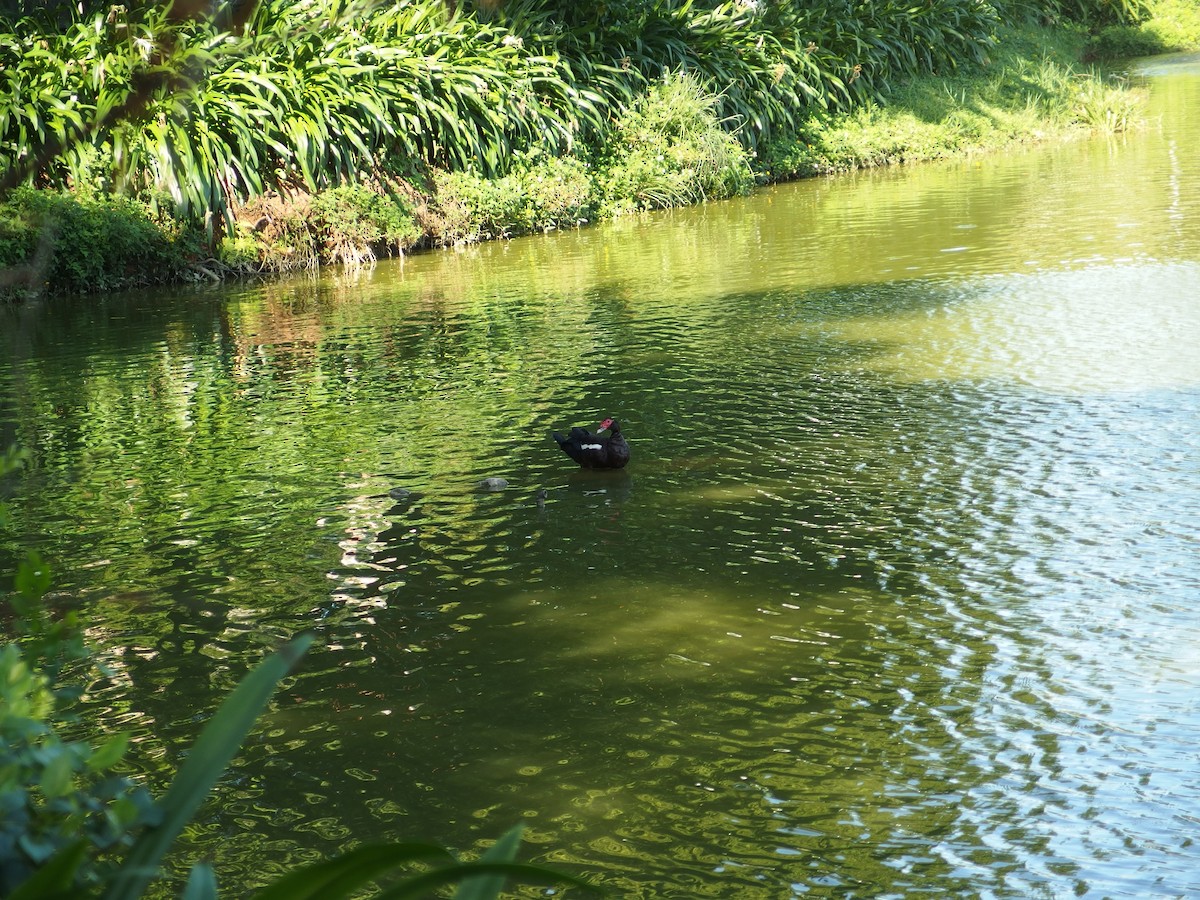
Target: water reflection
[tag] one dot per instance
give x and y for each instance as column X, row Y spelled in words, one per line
column 898, row 596
column 1080, row 332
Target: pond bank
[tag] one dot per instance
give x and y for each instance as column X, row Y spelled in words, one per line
column 671, row 151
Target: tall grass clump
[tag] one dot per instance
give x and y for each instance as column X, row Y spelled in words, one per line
column 1102, row 108
column 538, row 193
column 670, row 149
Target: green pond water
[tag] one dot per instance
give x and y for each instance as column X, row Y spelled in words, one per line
column 900, row 594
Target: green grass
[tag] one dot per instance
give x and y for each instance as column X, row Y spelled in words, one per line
column 1030, row 91
column 1174, row 26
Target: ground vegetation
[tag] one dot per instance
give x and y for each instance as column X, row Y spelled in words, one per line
column 247, row 137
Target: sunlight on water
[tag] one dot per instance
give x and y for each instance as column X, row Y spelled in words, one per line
column 1093, row 330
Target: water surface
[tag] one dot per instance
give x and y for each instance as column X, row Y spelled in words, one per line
column 897, row 596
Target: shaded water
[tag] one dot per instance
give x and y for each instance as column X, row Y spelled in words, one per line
column 898, row 594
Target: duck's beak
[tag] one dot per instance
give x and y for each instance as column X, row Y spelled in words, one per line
column 603, row 425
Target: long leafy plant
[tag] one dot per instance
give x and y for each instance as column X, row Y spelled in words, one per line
column 204, row 113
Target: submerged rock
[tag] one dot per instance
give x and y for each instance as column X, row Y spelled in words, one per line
column 493, row 484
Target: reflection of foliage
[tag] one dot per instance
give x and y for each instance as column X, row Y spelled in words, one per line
column 51, row 643
column 62, row 805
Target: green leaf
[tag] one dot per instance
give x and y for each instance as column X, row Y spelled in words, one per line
column 56, row 878
column 421, row 885
column 58, row 777
column 109, row 753
column 201, row 883
column 504, row 850
column 33, row 576
column 212, row 752
column 346, row 873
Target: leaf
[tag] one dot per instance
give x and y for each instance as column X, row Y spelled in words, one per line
column 109, row 753
column 201, row 883
column 56, row 878
column 421, row 885
column 504, row 850
column 343, row 875
column 214, row 749
column 33, row 576
column 58, row 777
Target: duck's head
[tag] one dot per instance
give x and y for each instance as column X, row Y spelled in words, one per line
column 611, row 424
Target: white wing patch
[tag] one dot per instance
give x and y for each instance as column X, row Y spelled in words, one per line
column 591, row 446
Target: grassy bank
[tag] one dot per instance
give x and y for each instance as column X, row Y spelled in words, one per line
column 1174, row 27
column 670, row 149
column 672, row 141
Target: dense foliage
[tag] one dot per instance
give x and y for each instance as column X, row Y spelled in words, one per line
column 126, row 246
column 226, row 122
column 211, row 112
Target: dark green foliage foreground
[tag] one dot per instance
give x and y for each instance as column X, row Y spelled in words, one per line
column 635, row 105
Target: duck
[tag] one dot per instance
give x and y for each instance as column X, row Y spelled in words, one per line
column 596, row 451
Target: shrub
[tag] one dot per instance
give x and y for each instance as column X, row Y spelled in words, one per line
column 353, row 221
column 63, row 244
column 1090, row 13
column 669, row 149
column 540, row 193
column 54, row 793
column 1123, row 42
column 56, row 796
column 1175, row 26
